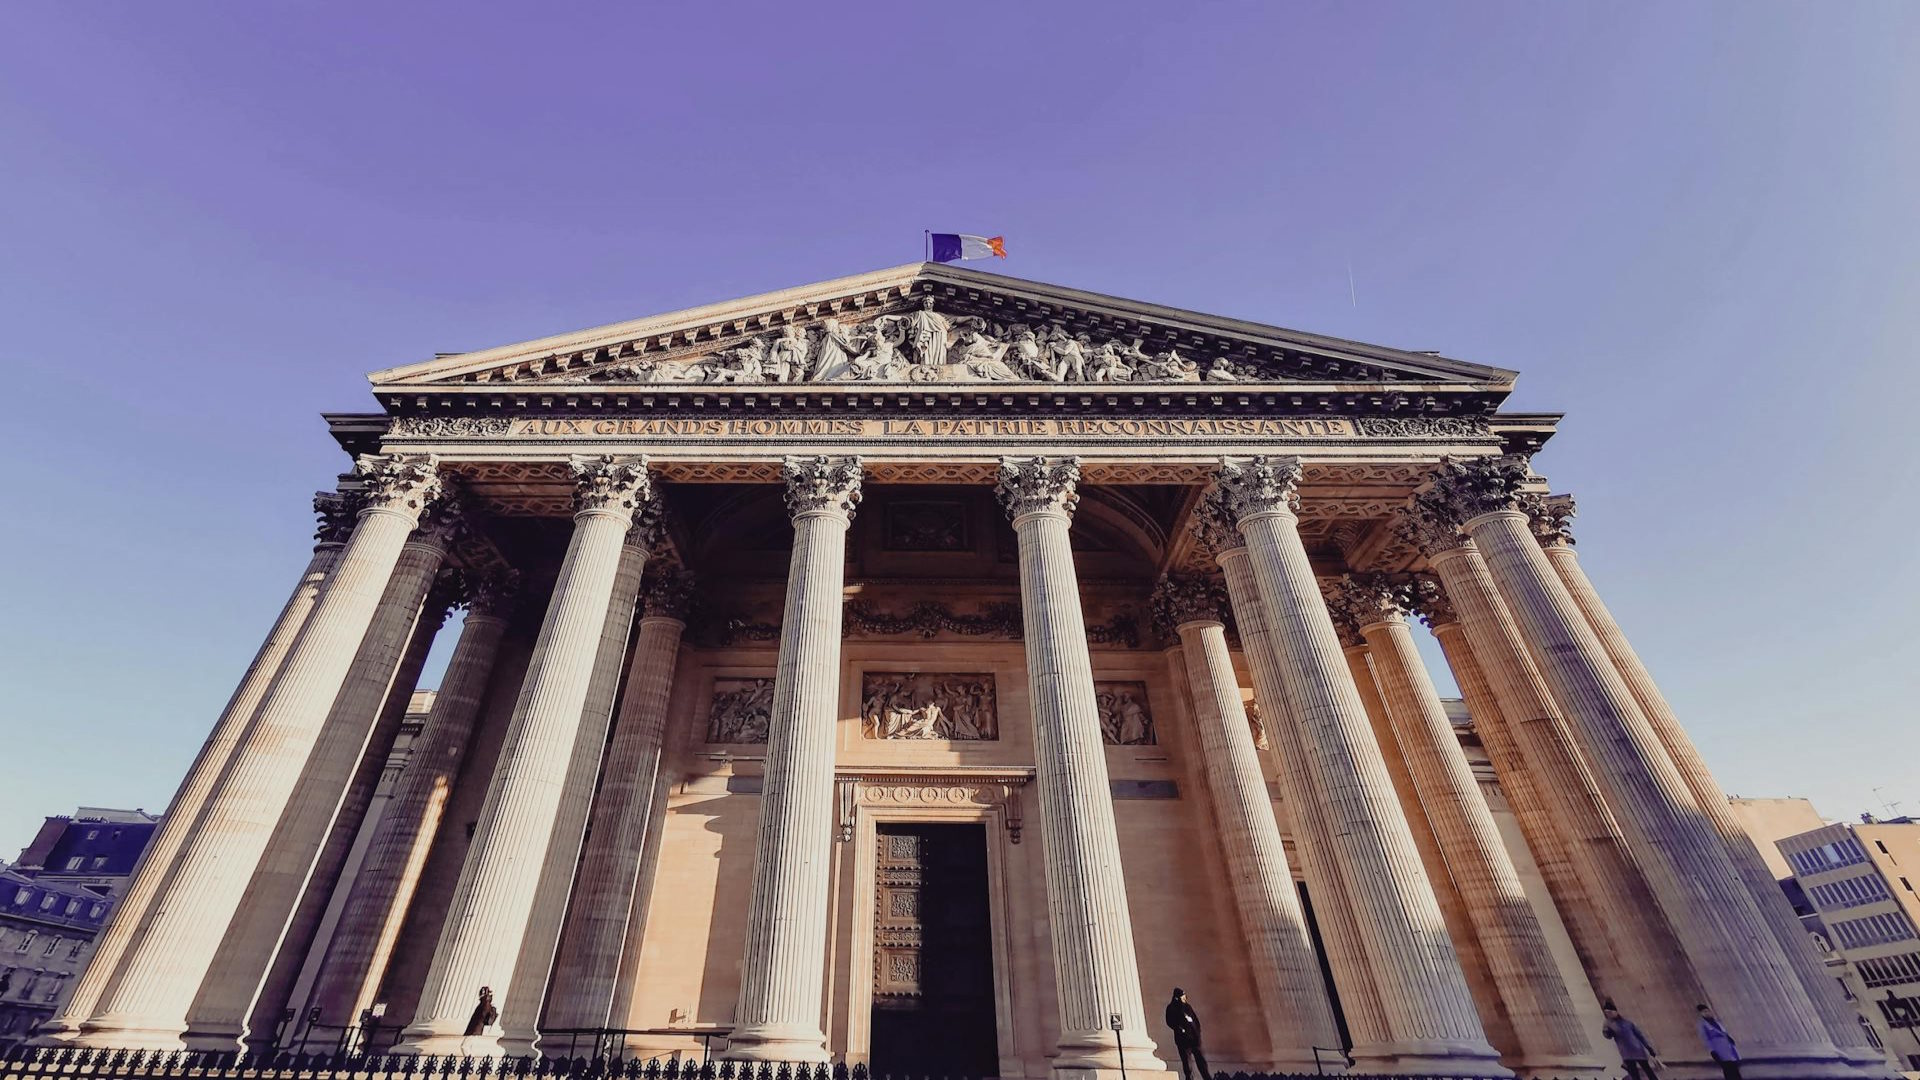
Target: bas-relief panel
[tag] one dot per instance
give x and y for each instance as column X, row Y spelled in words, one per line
column 958, row 707
column 741, row 711
column 927, row 525
column 1125, row 719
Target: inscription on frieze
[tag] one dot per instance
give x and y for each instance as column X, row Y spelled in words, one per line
column 959, row 429
column 953, row 707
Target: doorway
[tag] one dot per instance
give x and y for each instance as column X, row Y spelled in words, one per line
column 933, row 990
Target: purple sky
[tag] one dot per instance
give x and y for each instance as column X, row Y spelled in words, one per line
column 1692, row 228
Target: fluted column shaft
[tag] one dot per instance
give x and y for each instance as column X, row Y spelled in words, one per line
column 1537, row 821
column 526, row 995
column 1313, row 839
column 487, row 920
column 1839, row 1018
column 1280, row 949
column 163, row 968
column 1096, row 973
column 157, row 862
column 783, row 972
column 590, row 952
column 1429, row 1007
column 1741, row 965
column 1523, row 968
column 1652, row 969
column 315, row 832
column 376, row 908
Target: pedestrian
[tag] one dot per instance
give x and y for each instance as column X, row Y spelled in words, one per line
column 1719, row 1043
column 484, row 1014
column 1637, row 1055
column 1186, row 1035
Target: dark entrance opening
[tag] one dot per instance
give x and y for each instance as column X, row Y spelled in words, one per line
column 933, row 1009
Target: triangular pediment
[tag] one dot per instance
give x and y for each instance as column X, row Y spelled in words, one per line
column 927, row 323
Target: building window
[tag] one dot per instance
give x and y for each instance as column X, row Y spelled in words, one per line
column 27, row 941
column 76, row 862
column 93, row 834
column 98, row 910
column 1882, row 845
column 99, row 861
column 53, row 987
column 73, row 907
column 22, row 895
column 74, row 953
column 52, row 944
column 47, row 902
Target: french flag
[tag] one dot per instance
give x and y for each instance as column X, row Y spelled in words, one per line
column 952, row 247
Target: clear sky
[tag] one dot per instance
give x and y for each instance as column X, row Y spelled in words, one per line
column 1692, row 228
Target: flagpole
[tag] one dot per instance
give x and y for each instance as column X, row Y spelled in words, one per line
column 926, row 245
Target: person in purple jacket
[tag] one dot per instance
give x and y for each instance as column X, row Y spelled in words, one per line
column 1637, row 1054
column 1719, row 1043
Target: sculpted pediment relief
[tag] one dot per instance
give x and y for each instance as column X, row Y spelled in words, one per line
column 937, row 325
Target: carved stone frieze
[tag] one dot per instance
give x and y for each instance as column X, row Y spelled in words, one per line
column 927, row 525
column 950, row 707
column 1186, row 598
column 606, row 482
column 1038, row 485
column 406, row 482
column 930, row 619
column 1423, row 427
column 451, row 427
column 1259, row 484
column 741, row 711
column 1125, row 719
column 821, row 484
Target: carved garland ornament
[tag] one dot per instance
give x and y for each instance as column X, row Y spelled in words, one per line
column 451, row 427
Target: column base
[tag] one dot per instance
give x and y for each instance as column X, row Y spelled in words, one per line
column 1566, row 1068
column 117, row 1037
column 777, row 1042
column 1788, row 1066
column 1432, row 1057
column 1087, row 1053
column 54, row 1033
column 429, row 1041
column 214, row 1039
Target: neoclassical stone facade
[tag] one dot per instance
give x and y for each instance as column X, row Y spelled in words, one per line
column 932, row 669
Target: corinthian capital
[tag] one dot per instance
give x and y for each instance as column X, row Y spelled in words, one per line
column 1364, row 599
column 1214, row 525
column 336, row 510
column 1431, row 602
column 1259, row 485
column 1187, row 598
column 649, row 529
column 1465, row 488
column 398, row 482
column 667, row 592
column 493, row 593
column 605, row 482
column 822, row 484
column 445, row 522
column 1038, row 485
column 1552, row 520
column 1429, row 527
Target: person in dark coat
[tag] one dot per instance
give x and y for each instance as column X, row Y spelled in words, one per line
column 1637, row 1055
column 483, row 1013
column 1186, row 1035
column 1719, row 1044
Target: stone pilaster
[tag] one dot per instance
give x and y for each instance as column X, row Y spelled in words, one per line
column 1746, row 974
column 1649, row 967
column 1306, row 808
column 590, row 960
column 161, row 971
column 784, row 969
column 526, row 995
column 1095, row 971
column 1552, row 521
column 376, row 908
column 336, row 512
column 1549, row 1039
column 487, row 920
column 1280, row 949
column 267, row 941
column 1424, row 995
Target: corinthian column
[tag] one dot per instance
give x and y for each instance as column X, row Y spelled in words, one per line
column 520, row 1013
column 1746, row 973
column 784, row 968
column 487, row 920
column 1428, row 1007
column 1649, row 967
column 1285, row 971
column 1552, row 521
column 1214, row 526
column 1095, row 971
column 162, row 968
column 260, row 955
column 1547, row 1030
column 590, row 952
column 376, row 908
column 156, row 863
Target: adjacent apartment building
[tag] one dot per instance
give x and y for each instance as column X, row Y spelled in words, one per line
column 54, row 900
column 1858, row 879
